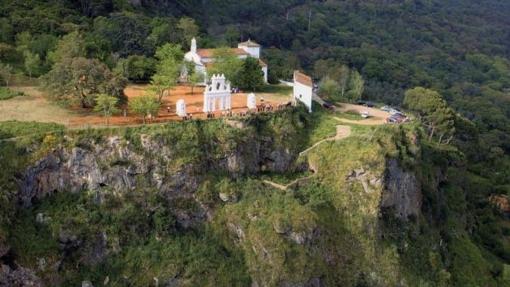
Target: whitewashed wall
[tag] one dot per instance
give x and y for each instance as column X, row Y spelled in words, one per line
column 303, row 93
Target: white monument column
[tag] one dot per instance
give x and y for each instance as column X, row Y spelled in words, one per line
column 206, row 104
column 251, row 101
column 181, row 108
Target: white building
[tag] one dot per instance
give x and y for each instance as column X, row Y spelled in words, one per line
column 217, row 95
column 180, row 108
column 251, row 101
column 303, row 89
column 203, row 58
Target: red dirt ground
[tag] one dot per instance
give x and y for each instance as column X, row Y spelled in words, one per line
column 193, row 102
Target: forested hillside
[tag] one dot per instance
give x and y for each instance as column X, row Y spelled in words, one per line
column 458, row 50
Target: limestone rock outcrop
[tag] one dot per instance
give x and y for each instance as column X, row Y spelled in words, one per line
column 402, row 191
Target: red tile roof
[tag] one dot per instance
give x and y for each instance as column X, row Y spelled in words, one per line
column 210, row 64
column 249, row 43
column 209, row 53
column 303, row 79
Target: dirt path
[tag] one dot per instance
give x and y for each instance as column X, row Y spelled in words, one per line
column 341, row 133
column 293, row 183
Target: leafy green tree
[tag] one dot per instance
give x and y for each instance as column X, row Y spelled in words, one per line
column 356, row 86
column 188, row 29
column 433, row 111
column 7, row 31
column 70, row 46
column 106, row 105
column 125, row 33
column 170, row 63
column 194, row 77
column 32, row 62
column 145, row 106
column 5, row 73
column 136, row 68
column 333, row 70
column 329, row 89
column 343, row 79
column 80, row 79
column 282, row 64
column 23, row 41
column 9, row 54
column 251, row 75
column 227, row 63
column 231, row 35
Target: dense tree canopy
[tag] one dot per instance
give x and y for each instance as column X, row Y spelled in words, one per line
column 251, row 77
column 228, row 64
column 435, row 113
column 169, row 67
column 81, row 80
column 458, row 51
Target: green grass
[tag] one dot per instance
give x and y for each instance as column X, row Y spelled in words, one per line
column 285, row 178
column 323, row 126
column 11, row 129
column 283, row 90
column 350, row 115
column 6, row 93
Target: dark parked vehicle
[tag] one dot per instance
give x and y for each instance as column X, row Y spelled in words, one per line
column 365, row 103
column 328, row 105
column 397, row 118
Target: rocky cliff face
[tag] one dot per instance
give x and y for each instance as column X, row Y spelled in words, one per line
column 116, row 165
column 402, row 191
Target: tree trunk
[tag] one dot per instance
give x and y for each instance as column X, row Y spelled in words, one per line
column 432, row 132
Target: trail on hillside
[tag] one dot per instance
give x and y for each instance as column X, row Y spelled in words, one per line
column 341, row 133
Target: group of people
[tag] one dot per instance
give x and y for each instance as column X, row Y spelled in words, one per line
column 263, row 107
column 187, row 117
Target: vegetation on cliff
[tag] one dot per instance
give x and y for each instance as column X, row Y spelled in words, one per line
column 348, row 222
column 226, row 226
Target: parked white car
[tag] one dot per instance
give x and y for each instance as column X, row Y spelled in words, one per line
column 395, row 112
column 386, row 108
column 365, row 114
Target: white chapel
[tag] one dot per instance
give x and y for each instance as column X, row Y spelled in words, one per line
column 203, row 58
column 217, row 95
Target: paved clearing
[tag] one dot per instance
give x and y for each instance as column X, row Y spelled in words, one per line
column 377, row 116
column 36, row 107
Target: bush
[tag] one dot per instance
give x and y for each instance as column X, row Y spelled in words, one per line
column 6, row 93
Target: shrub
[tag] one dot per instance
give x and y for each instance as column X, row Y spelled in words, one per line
column 6, row 93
